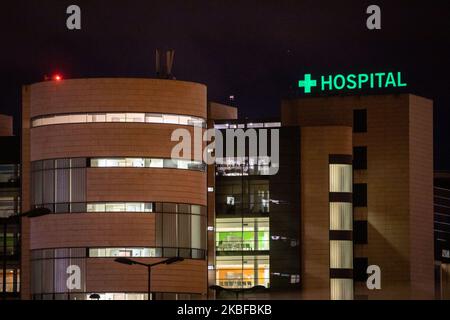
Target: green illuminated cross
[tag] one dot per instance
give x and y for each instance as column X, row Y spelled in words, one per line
column 307, row 83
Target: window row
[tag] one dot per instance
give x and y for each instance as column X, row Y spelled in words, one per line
column 242, row 271
column 247, row 125
column 147, row 163
column 249, row 196
column 117, row 296
column 143, row 207
column 242, row 166
column 237, row 234
column 118, row 117
column 187, row 253
column 143, row 252
column 117, row 162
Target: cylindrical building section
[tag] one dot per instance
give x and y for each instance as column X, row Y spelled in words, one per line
column 98, row 155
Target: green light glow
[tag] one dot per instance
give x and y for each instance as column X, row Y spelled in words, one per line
column 352, row 81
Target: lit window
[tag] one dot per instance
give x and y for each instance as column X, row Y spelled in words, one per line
column 295, row 278
column 156, row 163
column 122, row 252
column 341, row 254
column 118, row 117
column 153, row 118
column 340, row 178
column 242, row 271
column 148, row 163
column 135, row 117
column 115, row 207
column 341, row 216
column 341, row 289
column 170, row 119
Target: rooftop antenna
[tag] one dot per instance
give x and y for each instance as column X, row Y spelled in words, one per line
column 166, row 72
column 170, row 55
column 158, row 63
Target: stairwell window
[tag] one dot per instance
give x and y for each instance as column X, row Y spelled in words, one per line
column 340, row 178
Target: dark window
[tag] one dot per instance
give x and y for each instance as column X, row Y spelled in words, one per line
column 360, row 232
column 360, row 158
column 77, row 207
column 360, row 269
column 360, row 195
column 360, row 120
column 62, row 207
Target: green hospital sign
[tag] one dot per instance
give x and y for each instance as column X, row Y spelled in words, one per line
column 359, row 81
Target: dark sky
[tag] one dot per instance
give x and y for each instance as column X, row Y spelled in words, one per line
column 255, row 50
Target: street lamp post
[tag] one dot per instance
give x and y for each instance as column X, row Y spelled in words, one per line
column 127, row 261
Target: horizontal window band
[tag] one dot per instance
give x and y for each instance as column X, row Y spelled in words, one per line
column 118, row 117
column 340, row 159
column 83, row 295
column 341, row 235
column 116, row 252
column 117, row 162
column 341, row 273
column 124, row 207
column 242, row 253
column 341, row 197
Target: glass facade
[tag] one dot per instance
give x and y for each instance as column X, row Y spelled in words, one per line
column 242, row 232
column 243, row 271
column 238, row 196
column 10, row 172
column 9, row 190
column 248, row 234
column 243, row 166
column 59, row 182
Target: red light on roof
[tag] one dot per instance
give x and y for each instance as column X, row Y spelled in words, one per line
column 57, row 77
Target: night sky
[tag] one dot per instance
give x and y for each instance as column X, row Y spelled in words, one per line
column 255, row 50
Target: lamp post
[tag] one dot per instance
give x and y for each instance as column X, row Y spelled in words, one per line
column 149, row 266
